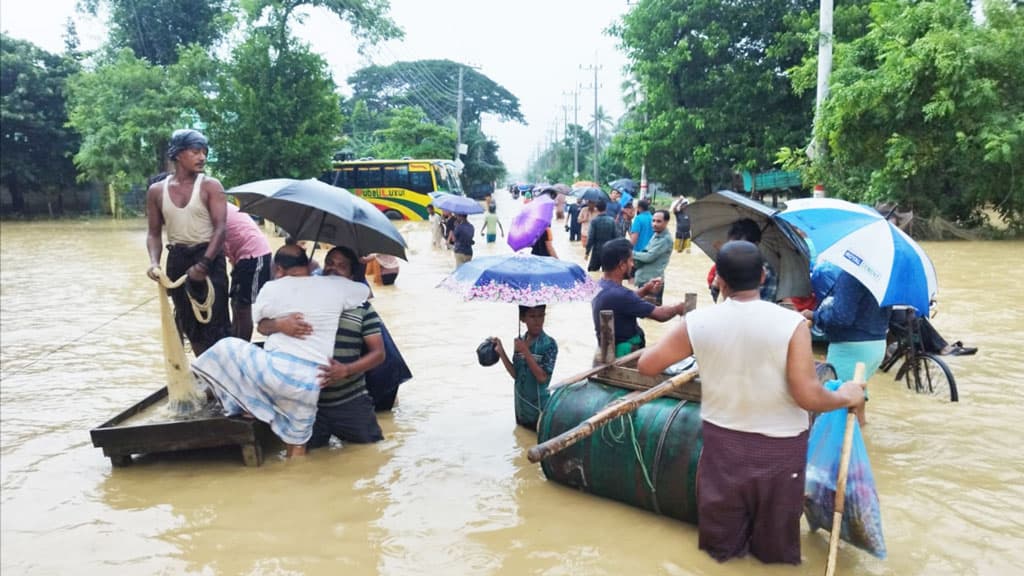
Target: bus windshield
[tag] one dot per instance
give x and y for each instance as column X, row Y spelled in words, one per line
column 399, row 188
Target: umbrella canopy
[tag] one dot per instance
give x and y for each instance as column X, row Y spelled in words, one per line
column 521, row 279
column 591, row 194
column 624, row 185
column 313, row 210
column 712, row 216
column 893, row 267
column 531, row 222
column 562, row 188
column 456, row 204
column 585, row 184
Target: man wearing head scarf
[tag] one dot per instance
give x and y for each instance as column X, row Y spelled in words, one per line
column 191, row 210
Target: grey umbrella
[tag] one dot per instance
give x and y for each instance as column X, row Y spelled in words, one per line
column 591, row 194
column 313, row 210
column 626, row 185
column 782, row 247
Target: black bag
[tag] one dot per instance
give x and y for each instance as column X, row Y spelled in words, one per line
column 487, row 353
column 382, row 382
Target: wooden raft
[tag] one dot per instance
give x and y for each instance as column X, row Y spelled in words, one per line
column 120, row 438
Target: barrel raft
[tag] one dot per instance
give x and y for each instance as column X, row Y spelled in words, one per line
column 646, row 459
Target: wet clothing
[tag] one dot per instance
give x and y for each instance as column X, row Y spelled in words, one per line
column 531, row 395
column 750, row 479
column 345, row 408
column 750, row 493
column 626, row 306
column 601, row 230
column 652, row 261
column 491, row 227
column 190, row 225
column 179, row 260
column 436, row 230
column 850, row 313
column 540, row 247
column 643, row 228
column 574, row 227
column 383, row 381
column 464, row 238
column 243, row 238
column 248, row 276
column 275, row 387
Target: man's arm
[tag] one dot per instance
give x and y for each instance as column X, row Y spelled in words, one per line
column 803, row 383
column 155, row 221
column 217, row 206
column 374, row 357
column 672, row 348
column 293, row 325
column 665, row 312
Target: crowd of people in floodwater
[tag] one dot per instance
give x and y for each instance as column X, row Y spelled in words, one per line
column 328, row 361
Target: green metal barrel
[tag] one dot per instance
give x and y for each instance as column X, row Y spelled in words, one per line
column 647, row 458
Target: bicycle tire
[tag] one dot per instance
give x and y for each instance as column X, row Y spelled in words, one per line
column 931, row 375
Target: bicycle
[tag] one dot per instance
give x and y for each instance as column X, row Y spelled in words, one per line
column 923, row 372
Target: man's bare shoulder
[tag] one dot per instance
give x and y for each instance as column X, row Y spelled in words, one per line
column 212, row 184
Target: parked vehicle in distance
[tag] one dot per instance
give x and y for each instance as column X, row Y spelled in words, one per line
column 480, row 190
column 399, row 188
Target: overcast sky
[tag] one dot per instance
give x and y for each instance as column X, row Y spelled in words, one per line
column 534, row 48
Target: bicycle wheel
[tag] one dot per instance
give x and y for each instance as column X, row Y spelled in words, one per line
column 930, row 375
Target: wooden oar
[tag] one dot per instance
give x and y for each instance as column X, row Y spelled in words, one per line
column 624, row 405
column 844, row 468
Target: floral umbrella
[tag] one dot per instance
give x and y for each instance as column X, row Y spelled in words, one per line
column 522, row 279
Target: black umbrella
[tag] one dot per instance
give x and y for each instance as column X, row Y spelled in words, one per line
column 626, row 185
column 783, row 248
column 591, row 195
column 313, row 210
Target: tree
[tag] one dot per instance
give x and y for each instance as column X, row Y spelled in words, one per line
column 154, row 29
column 125, row 110
column 433, row 86
column 368, row 19
column 276, row 113
column 927, row 109
column 35, row 146
column 410, row 133
column 482, row 164
column 717, row 97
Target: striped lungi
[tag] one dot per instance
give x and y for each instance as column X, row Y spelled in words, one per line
column 274, row 387
column 750, row 492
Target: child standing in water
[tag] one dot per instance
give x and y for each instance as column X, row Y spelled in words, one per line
column 531, row 365
column 492, row 224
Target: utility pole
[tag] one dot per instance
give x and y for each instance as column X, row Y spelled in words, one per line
column 818, row 148
column 597, row 125
column 458, row 119
column 576, row 133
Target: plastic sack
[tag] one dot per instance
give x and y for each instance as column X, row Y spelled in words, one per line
column 487, row 353
column 862, row 519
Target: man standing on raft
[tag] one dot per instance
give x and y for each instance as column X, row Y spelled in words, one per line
column 192, row 210
column 757, row 384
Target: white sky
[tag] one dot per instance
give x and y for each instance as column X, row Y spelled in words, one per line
column 534, row 48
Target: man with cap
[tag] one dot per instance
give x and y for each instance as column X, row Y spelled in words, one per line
column 192, row 211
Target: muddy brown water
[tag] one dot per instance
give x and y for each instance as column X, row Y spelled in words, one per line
column 450, row 490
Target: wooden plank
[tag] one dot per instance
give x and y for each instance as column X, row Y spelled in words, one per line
column 632, row 380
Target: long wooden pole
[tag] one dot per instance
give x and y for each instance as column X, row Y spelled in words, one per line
column 624, row 405
column 844, row 468
column 588, row 373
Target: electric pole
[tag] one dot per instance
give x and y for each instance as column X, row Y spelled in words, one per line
column 458, row 119
column 597, row 124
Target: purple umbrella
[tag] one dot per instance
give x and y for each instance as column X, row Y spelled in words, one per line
column 531, row 222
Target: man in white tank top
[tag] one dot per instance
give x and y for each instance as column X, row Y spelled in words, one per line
column 191, row 209
column 757, row 383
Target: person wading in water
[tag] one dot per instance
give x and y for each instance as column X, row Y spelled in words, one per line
column 191, row 209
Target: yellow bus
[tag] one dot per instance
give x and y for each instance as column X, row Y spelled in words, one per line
column 400, row 188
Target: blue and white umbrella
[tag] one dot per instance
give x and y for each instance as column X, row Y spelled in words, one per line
column 893, row 267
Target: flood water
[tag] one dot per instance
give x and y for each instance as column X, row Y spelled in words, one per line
column 450, row 490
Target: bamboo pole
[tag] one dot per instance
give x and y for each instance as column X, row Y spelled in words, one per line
column 844, row 468
column 624, row 405
column 634, row 355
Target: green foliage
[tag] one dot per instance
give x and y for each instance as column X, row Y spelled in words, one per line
column 481, row 160
column 154, row 29
column 433, row 85
column 927, row 110
column 276, row 112
column 125, row 111
column 368, row 20
column 716, row 95
column 410, row 133
column 35, row 146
